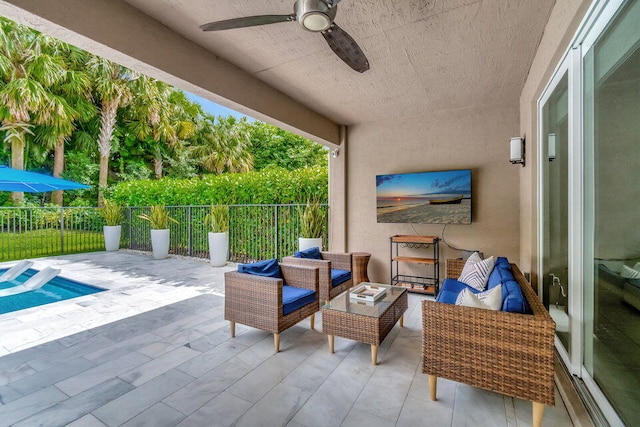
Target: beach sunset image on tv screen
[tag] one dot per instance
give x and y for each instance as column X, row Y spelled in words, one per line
column 442, row 197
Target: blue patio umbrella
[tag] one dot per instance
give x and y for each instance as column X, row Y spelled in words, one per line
column 31, row 182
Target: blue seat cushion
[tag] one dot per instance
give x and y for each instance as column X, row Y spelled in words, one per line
column 294, row 298
column 450, row 290
column 267, row 268
column 311, row 253
column 339, row 276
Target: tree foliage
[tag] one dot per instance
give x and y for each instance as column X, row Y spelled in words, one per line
column 269, row 186
column 67, row 112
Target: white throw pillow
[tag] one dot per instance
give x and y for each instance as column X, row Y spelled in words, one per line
column 637, row 266
column 474, row 258
column 478, row 274
column 629, row 273
column 491, row 299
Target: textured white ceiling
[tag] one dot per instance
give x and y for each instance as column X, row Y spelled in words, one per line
column 424, row 55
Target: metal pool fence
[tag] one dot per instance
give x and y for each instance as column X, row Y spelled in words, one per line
column 255, row 231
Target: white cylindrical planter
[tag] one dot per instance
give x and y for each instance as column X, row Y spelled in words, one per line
column 218, row 248
column 306, row 243
column 112, row 237
column 160, row 243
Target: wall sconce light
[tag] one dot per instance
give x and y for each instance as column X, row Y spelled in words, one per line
column 551, row 147
column 335, row 153
column 517, row 151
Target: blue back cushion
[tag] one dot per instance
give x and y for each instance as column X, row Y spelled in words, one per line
column 268, row 268
column 512, row 298
column 450, row 290
column 503, row 262
column 311, row 253
column 494, row 278
column 294, row 298
column 339, row 276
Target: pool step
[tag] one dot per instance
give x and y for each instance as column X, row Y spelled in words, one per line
column 16, row 270
column 38, row 280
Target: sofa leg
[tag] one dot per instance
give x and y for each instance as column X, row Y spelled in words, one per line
column 232, row 326
column 312, row 320
column 538, row 411
column 433, row 385
column 276, row 342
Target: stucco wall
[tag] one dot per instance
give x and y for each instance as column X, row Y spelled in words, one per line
column 473, row 138
column 560, row 29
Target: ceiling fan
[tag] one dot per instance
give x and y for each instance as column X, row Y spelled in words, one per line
column 313, row 15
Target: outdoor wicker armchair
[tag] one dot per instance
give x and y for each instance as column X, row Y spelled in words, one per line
column 330, row 261
column 256, row 301
column 507, row 353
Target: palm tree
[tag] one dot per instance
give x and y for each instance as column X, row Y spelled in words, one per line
column 73, row 94
column 151, row 117
column 29, row 67
column 225, row 147
column 112, row 84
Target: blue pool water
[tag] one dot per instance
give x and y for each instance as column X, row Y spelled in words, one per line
column 57, row 289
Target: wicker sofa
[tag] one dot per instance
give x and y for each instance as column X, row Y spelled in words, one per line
column 507, row 353
column 329, row 262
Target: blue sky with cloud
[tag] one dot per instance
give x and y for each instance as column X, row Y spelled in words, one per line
column 215, row 109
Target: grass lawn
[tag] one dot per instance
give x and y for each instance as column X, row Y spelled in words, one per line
column 48, row 242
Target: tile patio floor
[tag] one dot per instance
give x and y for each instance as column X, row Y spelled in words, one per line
column 162, row 356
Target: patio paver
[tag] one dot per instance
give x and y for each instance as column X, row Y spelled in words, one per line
column 182, row 368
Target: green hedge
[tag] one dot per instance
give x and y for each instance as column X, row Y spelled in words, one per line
column 268, row 186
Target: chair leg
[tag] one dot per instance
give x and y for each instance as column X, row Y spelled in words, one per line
column 538, row 411
column 312, row 320
column 276, row 342
column 433, row 386
column 232, row 326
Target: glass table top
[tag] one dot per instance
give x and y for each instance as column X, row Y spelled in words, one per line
column 343, row 303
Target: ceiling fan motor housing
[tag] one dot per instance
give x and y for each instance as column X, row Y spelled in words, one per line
column 314, row 15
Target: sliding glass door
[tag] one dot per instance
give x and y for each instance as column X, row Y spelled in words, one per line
column 554, row 154
column 611, row 133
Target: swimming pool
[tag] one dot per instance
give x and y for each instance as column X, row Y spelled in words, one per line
column 58, row 289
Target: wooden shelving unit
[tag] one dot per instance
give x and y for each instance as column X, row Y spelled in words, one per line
column 426, row 284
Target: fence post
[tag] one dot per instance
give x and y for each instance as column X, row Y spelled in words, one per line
column 276, row 231
column 61, row 229
column 130, row 226
column 189, row 230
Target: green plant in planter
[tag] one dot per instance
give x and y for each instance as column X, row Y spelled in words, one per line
column 217, row 220
column 312, row 220
column 158, row 218
column 111, row 212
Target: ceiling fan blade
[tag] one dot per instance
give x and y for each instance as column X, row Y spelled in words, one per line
column 247, row 21
column 346, row 48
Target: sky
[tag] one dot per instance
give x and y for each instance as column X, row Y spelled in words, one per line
column 215, row 109
column 423, row 184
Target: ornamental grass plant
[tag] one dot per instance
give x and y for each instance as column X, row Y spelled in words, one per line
column 111, row 212
column 312, row 220
column 158, row 218
column 217, row 220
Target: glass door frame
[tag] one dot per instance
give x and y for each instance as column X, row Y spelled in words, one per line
column 572, row 362
column 581, row 250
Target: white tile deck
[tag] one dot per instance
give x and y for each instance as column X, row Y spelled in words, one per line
column 135, row 283
column 155, row 350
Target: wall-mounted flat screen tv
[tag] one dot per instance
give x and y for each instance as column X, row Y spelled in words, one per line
column 439, row 197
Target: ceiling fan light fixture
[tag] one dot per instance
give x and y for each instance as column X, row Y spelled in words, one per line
column 315, row 21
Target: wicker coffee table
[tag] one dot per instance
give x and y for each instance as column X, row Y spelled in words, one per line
column 364, row 322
